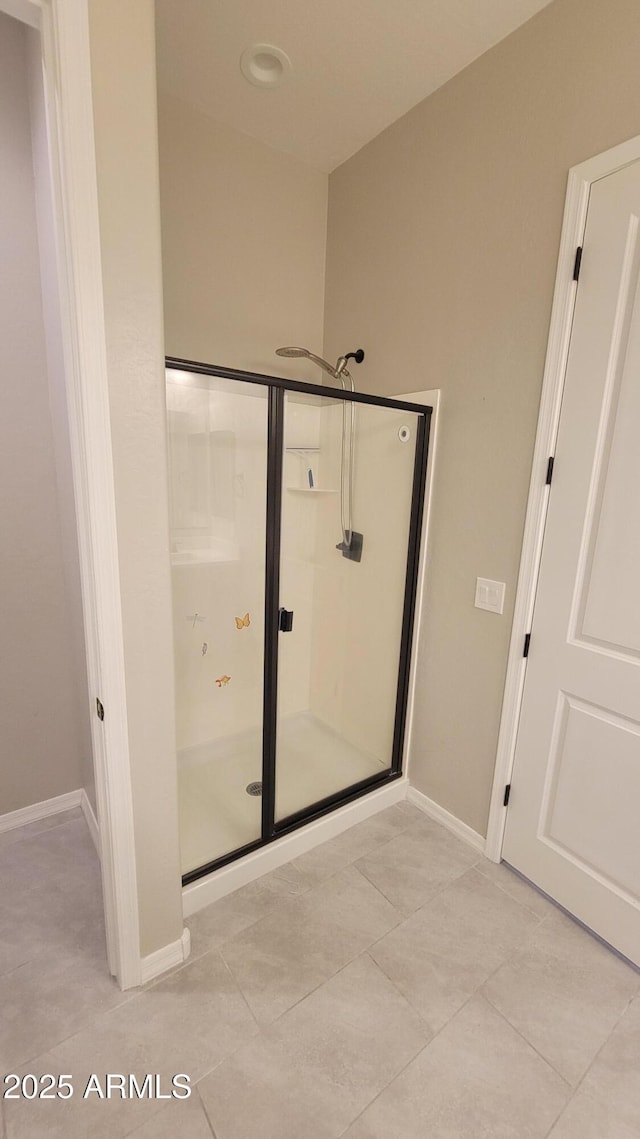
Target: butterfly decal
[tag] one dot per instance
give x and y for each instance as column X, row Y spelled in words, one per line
column 222, row 680
column 243, row 622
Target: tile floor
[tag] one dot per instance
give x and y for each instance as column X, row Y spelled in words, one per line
column 391, row 984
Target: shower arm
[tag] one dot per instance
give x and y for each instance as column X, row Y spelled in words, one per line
column 333, row 372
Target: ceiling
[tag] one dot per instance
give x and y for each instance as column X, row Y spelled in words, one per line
column 358, row 65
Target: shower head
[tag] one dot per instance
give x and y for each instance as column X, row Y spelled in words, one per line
column 289, row 352
column 338, row 373
column 304, row 352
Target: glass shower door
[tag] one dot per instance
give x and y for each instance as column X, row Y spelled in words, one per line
column 345, row 553
column 217, row 434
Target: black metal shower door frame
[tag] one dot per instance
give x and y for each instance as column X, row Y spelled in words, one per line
column 277, row 389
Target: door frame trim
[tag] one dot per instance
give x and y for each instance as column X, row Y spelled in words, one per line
column 580, row 180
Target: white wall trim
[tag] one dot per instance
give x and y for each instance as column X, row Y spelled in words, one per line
column 25, row 815
column 451, row 822
column 221, row 882
column 166, row 958
column 67, row 75
column 56, row 806
column 91, row 821
column 579, row 185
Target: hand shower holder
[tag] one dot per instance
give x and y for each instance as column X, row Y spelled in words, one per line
column 353, row 549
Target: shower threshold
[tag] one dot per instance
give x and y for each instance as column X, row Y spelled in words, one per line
column 217, row 816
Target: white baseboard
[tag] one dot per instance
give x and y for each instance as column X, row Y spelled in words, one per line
column 43, row 810
column 438, row 813
column 174, row 954
column 91, row 820
column 206, row 890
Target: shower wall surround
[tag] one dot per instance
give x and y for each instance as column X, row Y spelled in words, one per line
column 332, row 719
column 355, row 664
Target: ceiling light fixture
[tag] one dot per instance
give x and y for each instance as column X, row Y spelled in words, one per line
column 264, row 65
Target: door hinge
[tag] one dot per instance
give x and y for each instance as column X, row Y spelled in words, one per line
column 549, row 470
column 577, row 263
column 527, row 642
column 99, row 709
column 507, row 792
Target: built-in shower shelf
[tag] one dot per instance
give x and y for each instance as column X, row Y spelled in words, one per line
column 311, row 490
column 303, row 450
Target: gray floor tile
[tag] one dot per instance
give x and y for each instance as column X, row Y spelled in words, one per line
column 565, row 992
column 441, row 954
column 187, row 1022
column 305, row 941
column 9, row 838
column 365, row 837
column 52, row 896
column 50, row 998
column 516, row 887
column 76, row 1118
column 607, row 1103
column 19, row 834
column 300, row 945
column 412, row 868
column 185, row 1118
column 62, row 857
column 410, row 811
column 311, row 1073
column 229, row 916
column 476, row 1080
column 23, row 930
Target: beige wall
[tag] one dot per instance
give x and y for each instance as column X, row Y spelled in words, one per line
column 58, row 402
column 442, row 248
column 123, row 76
column 45, row 750
column 243, row 245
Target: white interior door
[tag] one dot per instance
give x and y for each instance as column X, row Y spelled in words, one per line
column 573, row 824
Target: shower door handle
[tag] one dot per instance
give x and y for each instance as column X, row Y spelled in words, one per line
column 285, row 620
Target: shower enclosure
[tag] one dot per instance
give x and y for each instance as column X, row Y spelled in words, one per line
column 292, row 657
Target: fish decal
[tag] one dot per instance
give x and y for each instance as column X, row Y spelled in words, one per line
column 221, row 681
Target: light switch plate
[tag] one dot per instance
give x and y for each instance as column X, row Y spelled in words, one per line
column 490, row 595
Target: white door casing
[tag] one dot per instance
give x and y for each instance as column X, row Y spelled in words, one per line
column 572, row 818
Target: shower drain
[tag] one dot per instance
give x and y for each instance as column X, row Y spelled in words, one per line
column 254, row 789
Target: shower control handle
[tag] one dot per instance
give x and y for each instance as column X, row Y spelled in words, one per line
column 285, row 620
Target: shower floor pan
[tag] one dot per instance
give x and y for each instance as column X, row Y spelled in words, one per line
column 218, row 815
